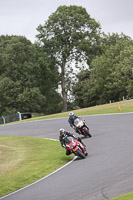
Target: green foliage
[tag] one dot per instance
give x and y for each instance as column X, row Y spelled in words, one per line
column 111, row 74
column 7, row 90
column 31, row 100
column 26, row 77
column 17, row 58
column 124, row 69
column 47, row 81
column 80, row 89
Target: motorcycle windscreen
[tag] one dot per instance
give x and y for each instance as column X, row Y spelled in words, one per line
column 76, row 121
column 70, row 142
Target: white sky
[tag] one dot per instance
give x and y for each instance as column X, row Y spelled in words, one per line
column 22, row 17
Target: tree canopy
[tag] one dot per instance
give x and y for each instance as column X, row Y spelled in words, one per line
column 111, row 75
column 22, row 74
column 69, row 35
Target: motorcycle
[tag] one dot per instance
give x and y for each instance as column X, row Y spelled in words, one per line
column 75, row 146
column 81, row 128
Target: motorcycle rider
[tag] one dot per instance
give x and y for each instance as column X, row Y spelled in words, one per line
column 63, row 133
column 71, row 120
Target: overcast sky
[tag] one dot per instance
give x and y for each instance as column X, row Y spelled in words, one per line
column 22, row 17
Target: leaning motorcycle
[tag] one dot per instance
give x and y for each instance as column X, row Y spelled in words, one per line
column 81, row 128
column 74, row 146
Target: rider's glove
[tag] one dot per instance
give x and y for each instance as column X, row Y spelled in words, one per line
column 79, row 139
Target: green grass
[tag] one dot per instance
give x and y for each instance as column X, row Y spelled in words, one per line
column 126, row 106
column 24, row 160
column 125, row 197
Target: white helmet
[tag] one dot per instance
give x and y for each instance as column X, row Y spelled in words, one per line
column 71, row 114
column 62, row 130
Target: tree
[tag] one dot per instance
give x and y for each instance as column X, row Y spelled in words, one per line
column 124, row 70
column 47, row 81
column 28, row 78
column 110, row 75
column 18, row 85
column 69, row 35
column 80, row 89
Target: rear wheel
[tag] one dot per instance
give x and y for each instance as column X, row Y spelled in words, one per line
column 86, row 132
column 80, row 153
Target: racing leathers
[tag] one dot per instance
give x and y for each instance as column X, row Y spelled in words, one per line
column 62, row 141
column 71, row 120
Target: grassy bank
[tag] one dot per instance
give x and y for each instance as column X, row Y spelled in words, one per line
column 119, row 107
column 24, row 160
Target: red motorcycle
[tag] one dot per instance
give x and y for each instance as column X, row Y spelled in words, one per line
column 75, row 146
column 81, row 127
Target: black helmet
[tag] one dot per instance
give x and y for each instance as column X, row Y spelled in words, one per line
column 62, row 131
column 71, row 114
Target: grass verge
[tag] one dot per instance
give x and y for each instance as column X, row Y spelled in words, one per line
column 24, row 160
column 125, row 197
column 124, row 106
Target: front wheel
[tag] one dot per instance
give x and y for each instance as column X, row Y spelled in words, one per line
column 79, row 153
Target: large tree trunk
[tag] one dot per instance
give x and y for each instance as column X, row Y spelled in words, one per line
column 64, row 94
column 63, row 85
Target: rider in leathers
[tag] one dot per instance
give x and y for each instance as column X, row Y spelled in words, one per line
column 63, row 133
column 71, row 120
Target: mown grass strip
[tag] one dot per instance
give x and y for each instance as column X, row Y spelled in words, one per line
column 23, row 160
column 125, row 106
column 124, row 197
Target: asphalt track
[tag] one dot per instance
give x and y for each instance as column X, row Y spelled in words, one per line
column 106, row 172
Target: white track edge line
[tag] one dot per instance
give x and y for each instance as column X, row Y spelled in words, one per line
column 67, row 117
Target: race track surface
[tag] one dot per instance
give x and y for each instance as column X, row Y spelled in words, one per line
column 106, row 172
